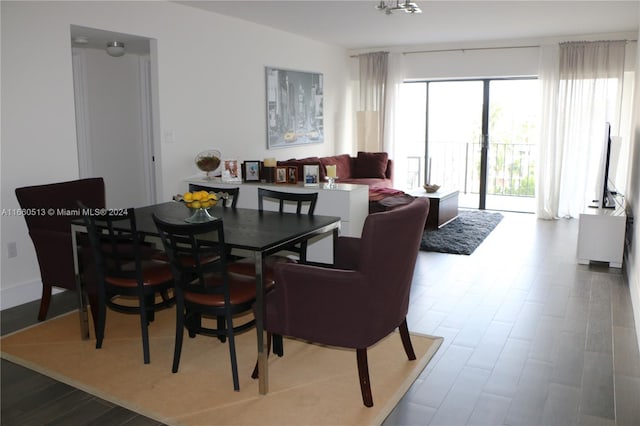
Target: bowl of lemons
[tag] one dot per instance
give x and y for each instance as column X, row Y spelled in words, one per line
column 198, row 202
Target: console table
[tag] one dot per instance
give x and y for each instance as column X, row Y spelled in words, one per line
column 601, row 235
column 348, row 201
column 443, row 207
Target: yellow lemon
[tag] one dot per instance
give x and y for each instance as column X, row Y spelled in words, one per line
column 196, row 205
column 204, row 195
column 188, row 197
column 197, row 196
column 213, row 196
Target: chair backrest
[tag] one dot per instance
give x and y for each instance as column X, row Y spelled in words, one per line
column 300, row 199
column 63, row 198
column 388, row 250
column 233, row 193
column 50, row 229
column 196, row 242
column 115, row 243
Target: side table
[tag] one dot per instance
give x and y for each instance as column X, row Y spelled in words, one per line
column 443, row 208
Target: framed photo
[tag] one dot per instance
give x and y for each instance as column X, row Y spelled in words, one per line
column 294, row 108
column 311, row 175
column 292, row 175
column 281, row 175
column 251, row 171
column 230, row 171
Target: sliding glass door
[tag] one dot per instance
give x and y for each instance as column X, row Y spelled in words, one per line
column 476, row 136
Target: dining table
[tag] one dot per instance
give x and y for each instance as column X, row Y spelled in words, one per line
column 260, row 233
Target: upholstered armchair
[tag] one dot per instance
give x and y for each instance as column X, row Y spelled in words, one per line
column 51, row 233
column 363, row 298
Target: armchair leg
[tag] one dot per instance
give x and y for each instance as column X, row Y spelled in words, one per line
column 44, row 302
column 406, row 340
column 363, row 372
column 278, row 346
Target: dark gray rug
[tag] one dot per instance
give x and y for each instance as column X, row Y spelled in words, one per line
column 462, row 235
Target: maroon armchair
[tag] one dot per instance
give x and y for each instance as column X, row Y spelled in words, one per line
column 363, row 298
column 51, row 230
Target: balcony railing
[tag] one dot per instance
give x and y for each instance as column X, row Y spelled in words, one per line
column 511, row 168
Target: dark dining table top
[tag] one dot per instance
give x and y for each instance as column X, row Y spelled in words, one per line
column 249, row 229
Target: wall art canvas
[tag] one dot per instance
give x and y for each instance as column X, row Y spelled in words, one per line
column 294, row 108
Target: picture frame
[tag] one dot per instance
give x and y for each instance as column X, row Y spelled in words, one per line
column 311, row 175
column 292, row 175
column 295, row 114
column 281, row 175
column 251, row 171
column 230, row 171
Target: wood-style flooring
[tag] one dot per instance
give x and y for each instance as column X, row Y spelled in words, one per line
column 531, row 338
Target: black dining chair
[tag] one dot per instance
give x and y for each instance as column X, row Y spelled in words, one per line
column 124, row 270
column 232, row 193
column 205, row 287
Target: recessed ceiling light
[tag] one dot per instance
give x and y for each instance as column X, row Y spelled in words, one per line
column 81, row 40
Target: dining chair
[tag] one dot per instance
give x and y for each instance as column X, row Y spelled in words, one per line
column 205, row 288
column 50, row 230
column 366, row 292
column 232, row 193
column 124, row 271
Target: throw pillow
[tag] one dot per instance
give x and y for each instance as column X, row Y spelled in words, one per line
column 371, row 165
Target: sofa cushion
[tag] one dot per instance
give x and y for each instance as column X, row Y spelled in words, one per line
column 342, row 163
column 371, row 165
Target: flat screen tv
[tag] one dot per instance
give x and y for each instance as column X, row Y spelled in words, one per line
column 608, row 200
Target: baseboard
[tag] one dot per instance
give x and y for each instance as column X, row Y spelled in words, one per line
column 21, row 293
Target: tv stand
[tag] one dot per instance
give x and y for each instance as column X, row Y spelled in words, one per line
column 601, row 235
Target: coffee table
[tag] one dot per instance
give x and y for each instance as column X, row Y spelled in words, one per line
column 443, row 208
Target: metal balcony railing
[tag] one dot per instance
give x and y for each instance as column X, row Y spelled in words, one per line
column 511, row 167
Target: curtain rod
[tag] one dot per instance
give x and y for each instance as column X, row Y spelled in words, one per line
column 469, row 48
column 472, row 48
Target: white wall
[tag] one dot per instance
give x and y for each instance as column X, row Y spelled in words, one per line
column 211, row 95
column 633, row 204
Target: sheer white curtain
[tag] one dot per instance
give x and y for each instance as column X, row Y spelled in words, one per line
column 372, row 79
column 582, row 89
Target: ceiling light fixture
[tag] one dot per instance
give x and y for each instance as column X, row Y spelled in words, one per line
column 115, row 48
column 388, row 7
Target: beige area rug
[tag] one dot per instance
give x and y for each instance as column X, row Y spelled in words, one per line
column 311, row 384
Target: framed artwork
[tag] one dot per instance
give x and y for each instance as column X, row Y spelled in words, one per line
column 251, row 171
column 311, row 175
column 294, row 108
column 281, row 175
column 230, row 171
column 292, row 175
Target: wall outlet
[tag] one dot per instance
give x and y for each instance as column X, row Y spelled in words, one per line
column 12, row 250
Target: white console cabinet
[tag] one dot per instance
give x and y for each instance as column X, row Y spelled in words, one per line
column 601, row 236
column 349, row 202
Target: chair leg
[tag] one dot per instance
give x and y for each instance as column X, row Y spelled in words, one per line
column 177, row 349
column 406, row 340
column 232, row 353
column 150, row 301
column 102, row 318
column 363, row 372
column 221, row 327
column 44, row 302
column 144, row 325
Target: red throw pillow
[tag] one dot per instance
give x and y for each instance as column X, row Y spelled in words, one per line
column 371, row 165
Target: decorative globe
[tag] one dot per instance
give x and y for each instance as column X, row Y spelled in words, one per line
column 208, row 162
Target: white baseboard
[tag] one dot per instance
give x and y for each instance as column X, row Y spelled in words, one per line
column 22, row 293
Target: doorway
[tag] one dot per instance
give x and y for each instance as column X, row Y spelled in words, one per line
column 479, row 137
column 114, row 115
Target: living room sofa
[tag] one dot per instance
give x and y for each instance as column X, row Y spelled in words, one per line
column 374, row 169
